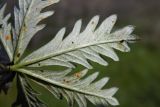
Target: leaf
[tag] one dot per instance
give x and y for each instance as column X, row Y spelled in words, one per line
column 5, row 33
column 27, row 16
column 27, row 97
column 79, row 46
column 75, row 87
column 6, row 51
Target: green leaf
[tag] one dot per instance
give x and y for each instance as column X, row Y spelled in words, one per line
column 79, row 46
column 75, row 87
column 27, row 97
column 27, row 16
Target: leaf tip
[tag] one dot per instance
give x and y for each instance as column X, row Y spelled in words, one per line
column 114, row 17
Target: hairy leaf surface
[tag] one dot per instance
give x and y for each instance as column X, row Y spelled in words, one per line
column 79, row 46
column 76, row 87
column 27, row 16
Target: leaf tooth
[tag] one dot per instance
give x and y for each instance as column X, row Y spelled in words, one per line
column 7, row 17
column 119, row 46
column 80, row 74
column 62, row 63
column 132, row 38
column 81, row 100
column 40, row 27
column 25, row 6
column 109, row 92
column 67, row 97
column 64, row 73
column 70, row 96
column 20, row 4
column 59, row 36
column 107, row 25
column 45, row 15
column 92, row 24
column 104, row 102
column 71, row 38
column 72, row 57
column 123, row 33
column 113, row 101
column 93, row 56
column 83, row 72
column 71, row 80
column 126, row 46
column 54, row 91
column 93, row 100
column 87, row 81
column 16, row 17
column 46, row 3
column 2, row 9
column 77, row 28
column 59, row 58
column 52, row 1
column 106, row 51
column 129, row 29
column 101, row 83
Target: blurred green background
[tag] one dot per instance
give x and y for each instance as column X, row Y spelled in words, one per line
column 137, row 74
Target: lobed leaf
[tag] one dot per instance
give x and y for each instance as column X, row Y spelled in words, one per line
column 78, row 47
column 75, row 88
column 27, row 16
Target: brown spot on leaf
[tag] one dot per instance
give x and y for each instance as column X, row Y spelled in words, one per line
column 65, row 81
column 78, row 75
